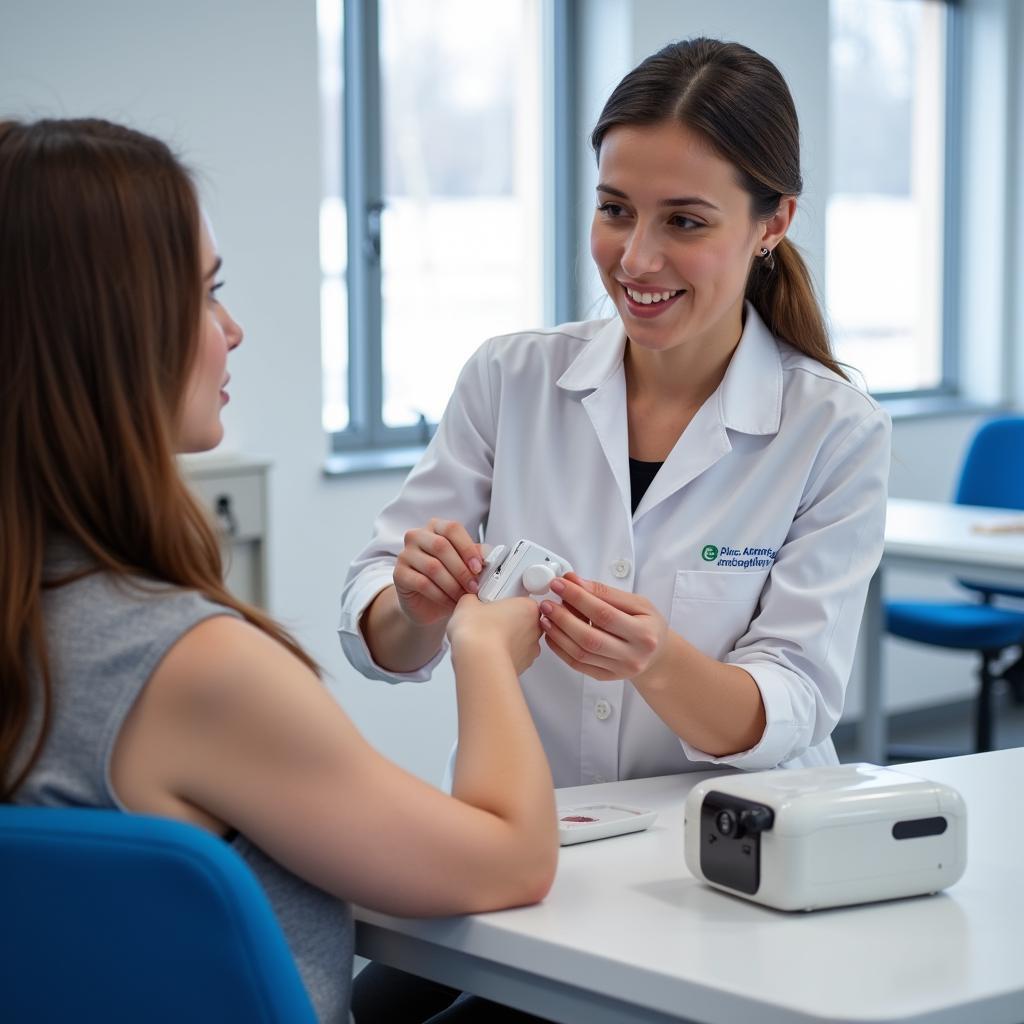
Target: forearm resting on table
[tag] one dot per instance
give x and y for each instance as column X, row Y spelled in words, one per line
column 500, row 759
column 715, row 707
column 396, row 643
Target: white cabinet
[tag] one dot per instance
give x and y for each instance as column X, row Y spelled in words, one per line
column 233, row 489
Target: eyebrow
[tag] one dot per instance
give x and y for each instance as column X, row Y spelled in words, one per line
column 679, row 201
column 212, row 272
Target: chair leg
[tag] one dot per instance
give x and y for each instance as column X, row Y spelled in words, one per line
column 983, row 737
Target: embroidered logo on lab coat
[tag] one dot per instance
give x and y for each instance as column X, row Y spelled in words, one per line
column 729, row 557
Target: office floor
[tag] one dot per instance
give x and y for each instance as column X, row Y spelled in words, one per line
column 947, row 729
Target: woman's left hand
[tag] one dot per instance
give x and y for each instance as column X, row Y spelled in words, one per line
column 601, row 631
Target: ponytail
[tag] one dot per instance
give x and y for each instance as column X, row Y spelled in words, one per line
column 781, row 290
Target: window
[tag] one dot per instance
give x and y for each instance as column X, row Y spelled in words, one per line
column 433, row 129
column 888, row 220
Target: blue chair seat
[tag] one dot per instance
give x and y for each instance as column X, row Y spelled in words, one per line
column 992, row 477
column 125, row 918
column 973, row 627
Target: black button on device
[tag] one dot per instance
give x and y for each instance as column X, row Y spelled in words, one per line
column 915, row 828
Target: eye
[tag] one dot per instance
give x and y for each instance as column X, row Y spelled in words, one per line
column 610, row 210
column 683, row 222
column 214, row 288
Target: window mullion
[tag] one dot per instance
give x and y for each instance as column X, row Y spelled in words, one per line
column 952, row 184
column 560, row 36
column 363, row 190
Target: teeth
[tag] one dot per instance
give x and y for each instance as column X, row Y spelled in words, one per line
column 647, row 298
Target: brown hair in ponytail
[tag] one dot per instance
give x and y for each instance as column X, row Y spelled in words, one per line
column 740, row 103
column 101, row 294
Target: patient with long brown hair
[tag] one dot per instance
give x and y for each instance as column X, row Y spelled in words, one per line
column 129, row 676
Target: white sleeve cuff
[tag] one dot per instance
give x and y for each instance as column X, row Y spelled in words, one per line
column 783, row 732
column 368, row 586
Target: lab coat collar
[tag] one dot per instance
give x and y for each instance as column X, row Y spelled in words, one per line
column 749, row 397
column 750, row 394
column 601, row 357
column 748, row 400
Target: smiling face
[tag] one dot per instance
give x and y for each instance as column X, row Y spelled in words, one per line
column 200, row 428
column 673, row 237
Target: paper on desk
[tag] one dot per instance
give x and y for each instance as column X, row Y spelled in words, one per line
column 1009, row 524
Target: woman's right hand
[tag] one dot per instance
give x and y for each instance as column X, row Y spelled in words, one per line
column 438, row 566
column 511, row 625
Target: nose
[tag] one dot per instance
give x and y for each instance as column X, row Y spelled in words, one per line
column 233, row 332
column 642, row 254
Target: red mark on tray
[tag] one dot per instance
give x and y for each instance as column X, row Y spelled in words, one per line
column 578, row 817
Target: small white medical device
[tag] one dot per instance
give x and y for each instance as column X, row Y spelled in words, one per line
column 808, row 838
column 527, row 569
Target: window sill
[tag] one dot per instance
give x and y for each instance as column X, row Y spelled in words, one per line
column 919, row 407
column 373, row 460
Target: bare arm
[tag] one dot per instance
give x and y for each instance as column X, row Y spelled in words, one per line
column 233, row 725
column 713, row 706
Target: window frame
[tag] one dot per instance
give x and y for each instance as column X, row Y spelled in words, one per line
column 949, row 387
column 366, row 433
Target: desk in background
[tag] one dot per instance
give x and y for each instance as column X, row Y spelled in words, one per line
column 233, row 489
column 928, row 534
column 628, row 935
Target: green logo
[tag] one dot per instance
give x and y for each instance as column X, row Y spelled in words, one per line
column 709, row 552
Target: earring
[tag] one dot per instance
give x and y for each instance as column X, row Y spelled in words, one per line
column 768, row 256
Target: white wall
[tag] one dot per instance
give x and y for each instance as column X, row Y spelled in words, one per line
column 233, row 85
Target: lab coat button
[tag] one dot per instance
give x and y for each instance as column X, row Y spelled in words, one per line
column 621, row 568
column 602, row 709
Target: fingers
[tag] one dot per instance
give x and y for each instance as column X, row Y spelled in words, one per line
column 444, row 553
column 416, row 562
column 578, row 595
column 582, row 643
column 411, row 581
column 579, row 666
column 457, row 536
column 632, row 604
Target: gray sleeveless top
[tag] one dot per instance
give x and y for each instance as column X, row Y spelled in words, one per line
column 105, row 636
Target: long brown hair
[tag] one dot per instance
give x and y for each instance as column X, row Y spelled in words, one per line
column 101, row 292
column 740, row 103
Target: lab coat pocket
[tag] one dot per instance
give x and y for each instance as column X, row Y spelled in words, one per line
column 714, row 609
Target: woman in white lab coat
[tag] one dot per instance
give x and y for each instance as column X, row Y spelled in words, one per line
column 700, row 458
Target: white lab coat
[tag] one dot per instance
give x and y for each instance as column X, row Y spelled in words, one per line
column 783, row 470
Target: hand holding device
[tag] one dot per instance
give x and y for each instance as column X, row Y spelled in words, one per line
column 437, row 566
column 602, row 631
column 526, row 569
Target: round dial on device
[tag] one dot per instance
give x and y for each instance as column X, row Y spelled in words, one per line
column 537, row 578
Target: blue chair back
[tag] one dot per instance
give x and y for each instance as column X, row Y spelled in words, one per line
column 118, row 917
column 993, row 471
column 993, row 475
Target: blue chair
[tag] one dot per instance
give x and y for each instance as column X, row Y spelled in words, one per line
column 992, row 475
column 118, row 917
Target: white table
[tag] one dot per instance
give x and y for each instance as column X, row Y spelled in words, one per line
column 938, row 535
column 627, row 934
